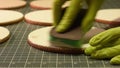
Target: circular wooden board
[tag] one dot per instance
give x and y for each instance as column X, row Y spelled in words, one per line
column 11, row 4
column 4, row 34
column 40, row 17
column 40, row 39
column 109, row 16
column 10, row 17
column 44, row 4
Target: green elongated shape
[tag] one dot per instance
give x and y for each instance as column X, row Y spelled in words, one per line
column 106, row 53
column 115, row 60
column 93, row 7
column 104, row 38
column 92, row 49
column 69, row 16
column 57, row 11
column 89, row 50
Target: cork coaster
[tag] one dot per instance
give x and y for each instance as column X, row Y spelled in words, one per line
column 10, row 17
column 44, row 4
column 40, row 17
column 40, row 39
column 4, row 34
column 109, row 16
column 11, row 4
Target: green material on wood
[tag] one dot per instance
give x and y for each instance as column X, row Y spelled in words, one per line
column 74, row 43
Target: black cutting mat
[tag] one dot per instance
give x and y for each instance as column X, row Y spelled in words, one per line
column 16, row 53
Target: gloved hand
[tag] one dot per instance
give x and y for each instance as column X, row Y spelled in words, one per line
column 63, row 23
column 106, row 45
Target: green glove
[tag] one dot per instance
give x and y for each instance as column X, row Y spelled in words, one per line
column 67, row 20
column 62, row 24
column 115, row 60
column 93, row 7
column 106, row 45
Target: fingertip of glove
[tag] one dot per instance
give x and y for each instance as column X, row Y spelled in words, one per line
column 114, row 61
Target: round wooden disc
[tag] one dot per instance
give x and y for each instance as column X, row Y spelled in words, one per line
column 11, row 4
column 4, row 34
column 44, row 4
column 40, row 39
column 40, row 17
column 109, row 16
column 10, row 17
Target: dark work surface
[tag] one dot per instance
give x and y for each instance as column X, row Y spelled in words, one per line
column 16, row 52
